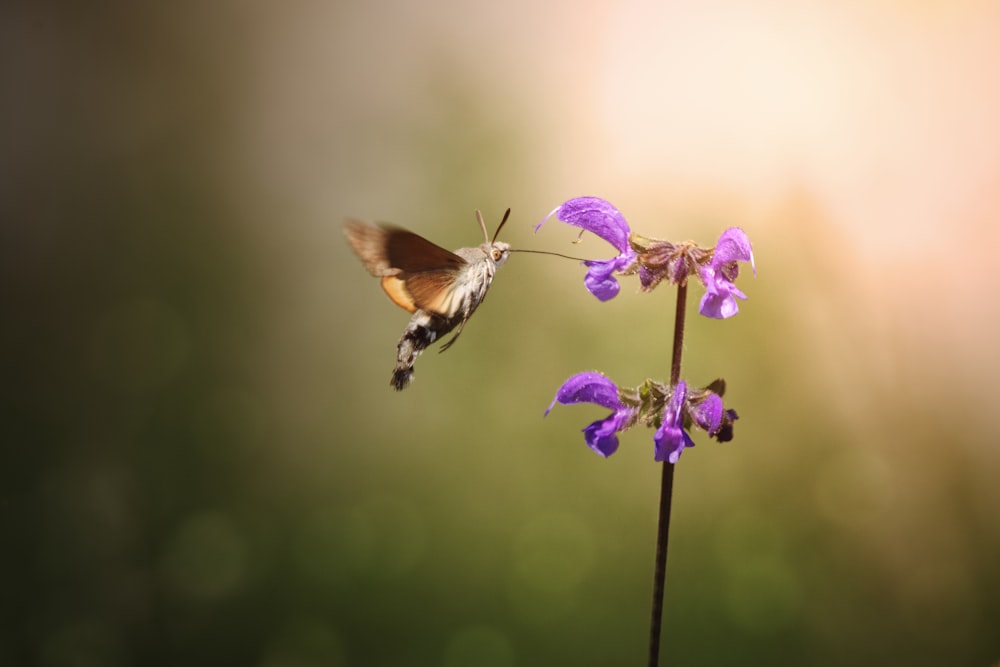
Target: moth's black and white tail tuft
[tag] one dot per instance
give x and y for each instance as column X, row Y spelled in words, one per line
column 423, row 329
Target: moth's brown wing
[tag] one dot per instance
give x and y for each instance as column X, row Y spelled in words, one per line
column 433, row 291
column 414, row 254
column 389, row 251
column 415, row 272
column 368, row 242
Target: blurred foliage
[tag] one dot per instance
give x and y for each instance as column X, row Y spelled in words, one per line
column 203, row 462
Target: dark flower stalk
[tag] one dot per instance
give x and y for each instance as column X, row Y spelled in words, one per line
column 666, row 491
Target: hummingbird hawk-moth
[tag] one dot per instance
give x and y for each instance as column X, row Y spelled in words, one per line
column 441, row 288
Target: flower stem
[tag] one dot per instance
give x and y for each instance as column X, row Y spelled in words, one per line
column 675, row 359
column 666, row 494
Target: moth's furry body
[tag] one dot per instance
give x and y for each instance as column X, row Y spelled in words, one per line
column 425, row 327
column 441, row 288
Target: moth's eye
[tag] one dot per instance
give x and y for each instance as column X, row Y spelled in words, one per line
column 497, row 254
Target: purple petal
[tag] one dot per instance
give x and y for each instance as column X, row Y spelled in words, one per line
column 599, row 279
column 733, row 246
column 671, row 438
column 588, row 387
column 596, row 216
column 707, row 413
column 717, row 306
column 601, row 435
column 670, row 442
column 718, row 301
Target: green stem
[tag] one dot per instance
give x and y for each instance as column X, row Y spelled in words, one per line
column 666, row 494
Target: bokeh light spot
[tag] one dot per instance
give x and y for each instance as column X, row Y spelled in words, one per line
column 305, row 642
column 481, row 646
column 381, row 537
column 205, row 559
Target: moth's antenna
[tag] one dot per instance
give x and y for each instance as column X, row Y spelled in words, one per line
column 505, row 216
column 482, row 225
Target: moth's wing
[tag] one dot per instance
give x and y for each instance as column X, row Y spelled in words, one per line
column 433, row 291
column 415, row 272
column 414, row 254
column 368, row 242
column 387, row 251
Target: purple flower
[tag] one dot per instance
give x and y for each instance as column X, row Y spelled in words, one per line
column 598, row 216
column 652, row 404
column 708, row 412
column 671, row 438
column 595, row 388
column 719, row 302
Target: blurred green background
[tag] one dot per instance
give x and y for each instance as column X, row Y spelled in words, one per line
column 202, row 460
